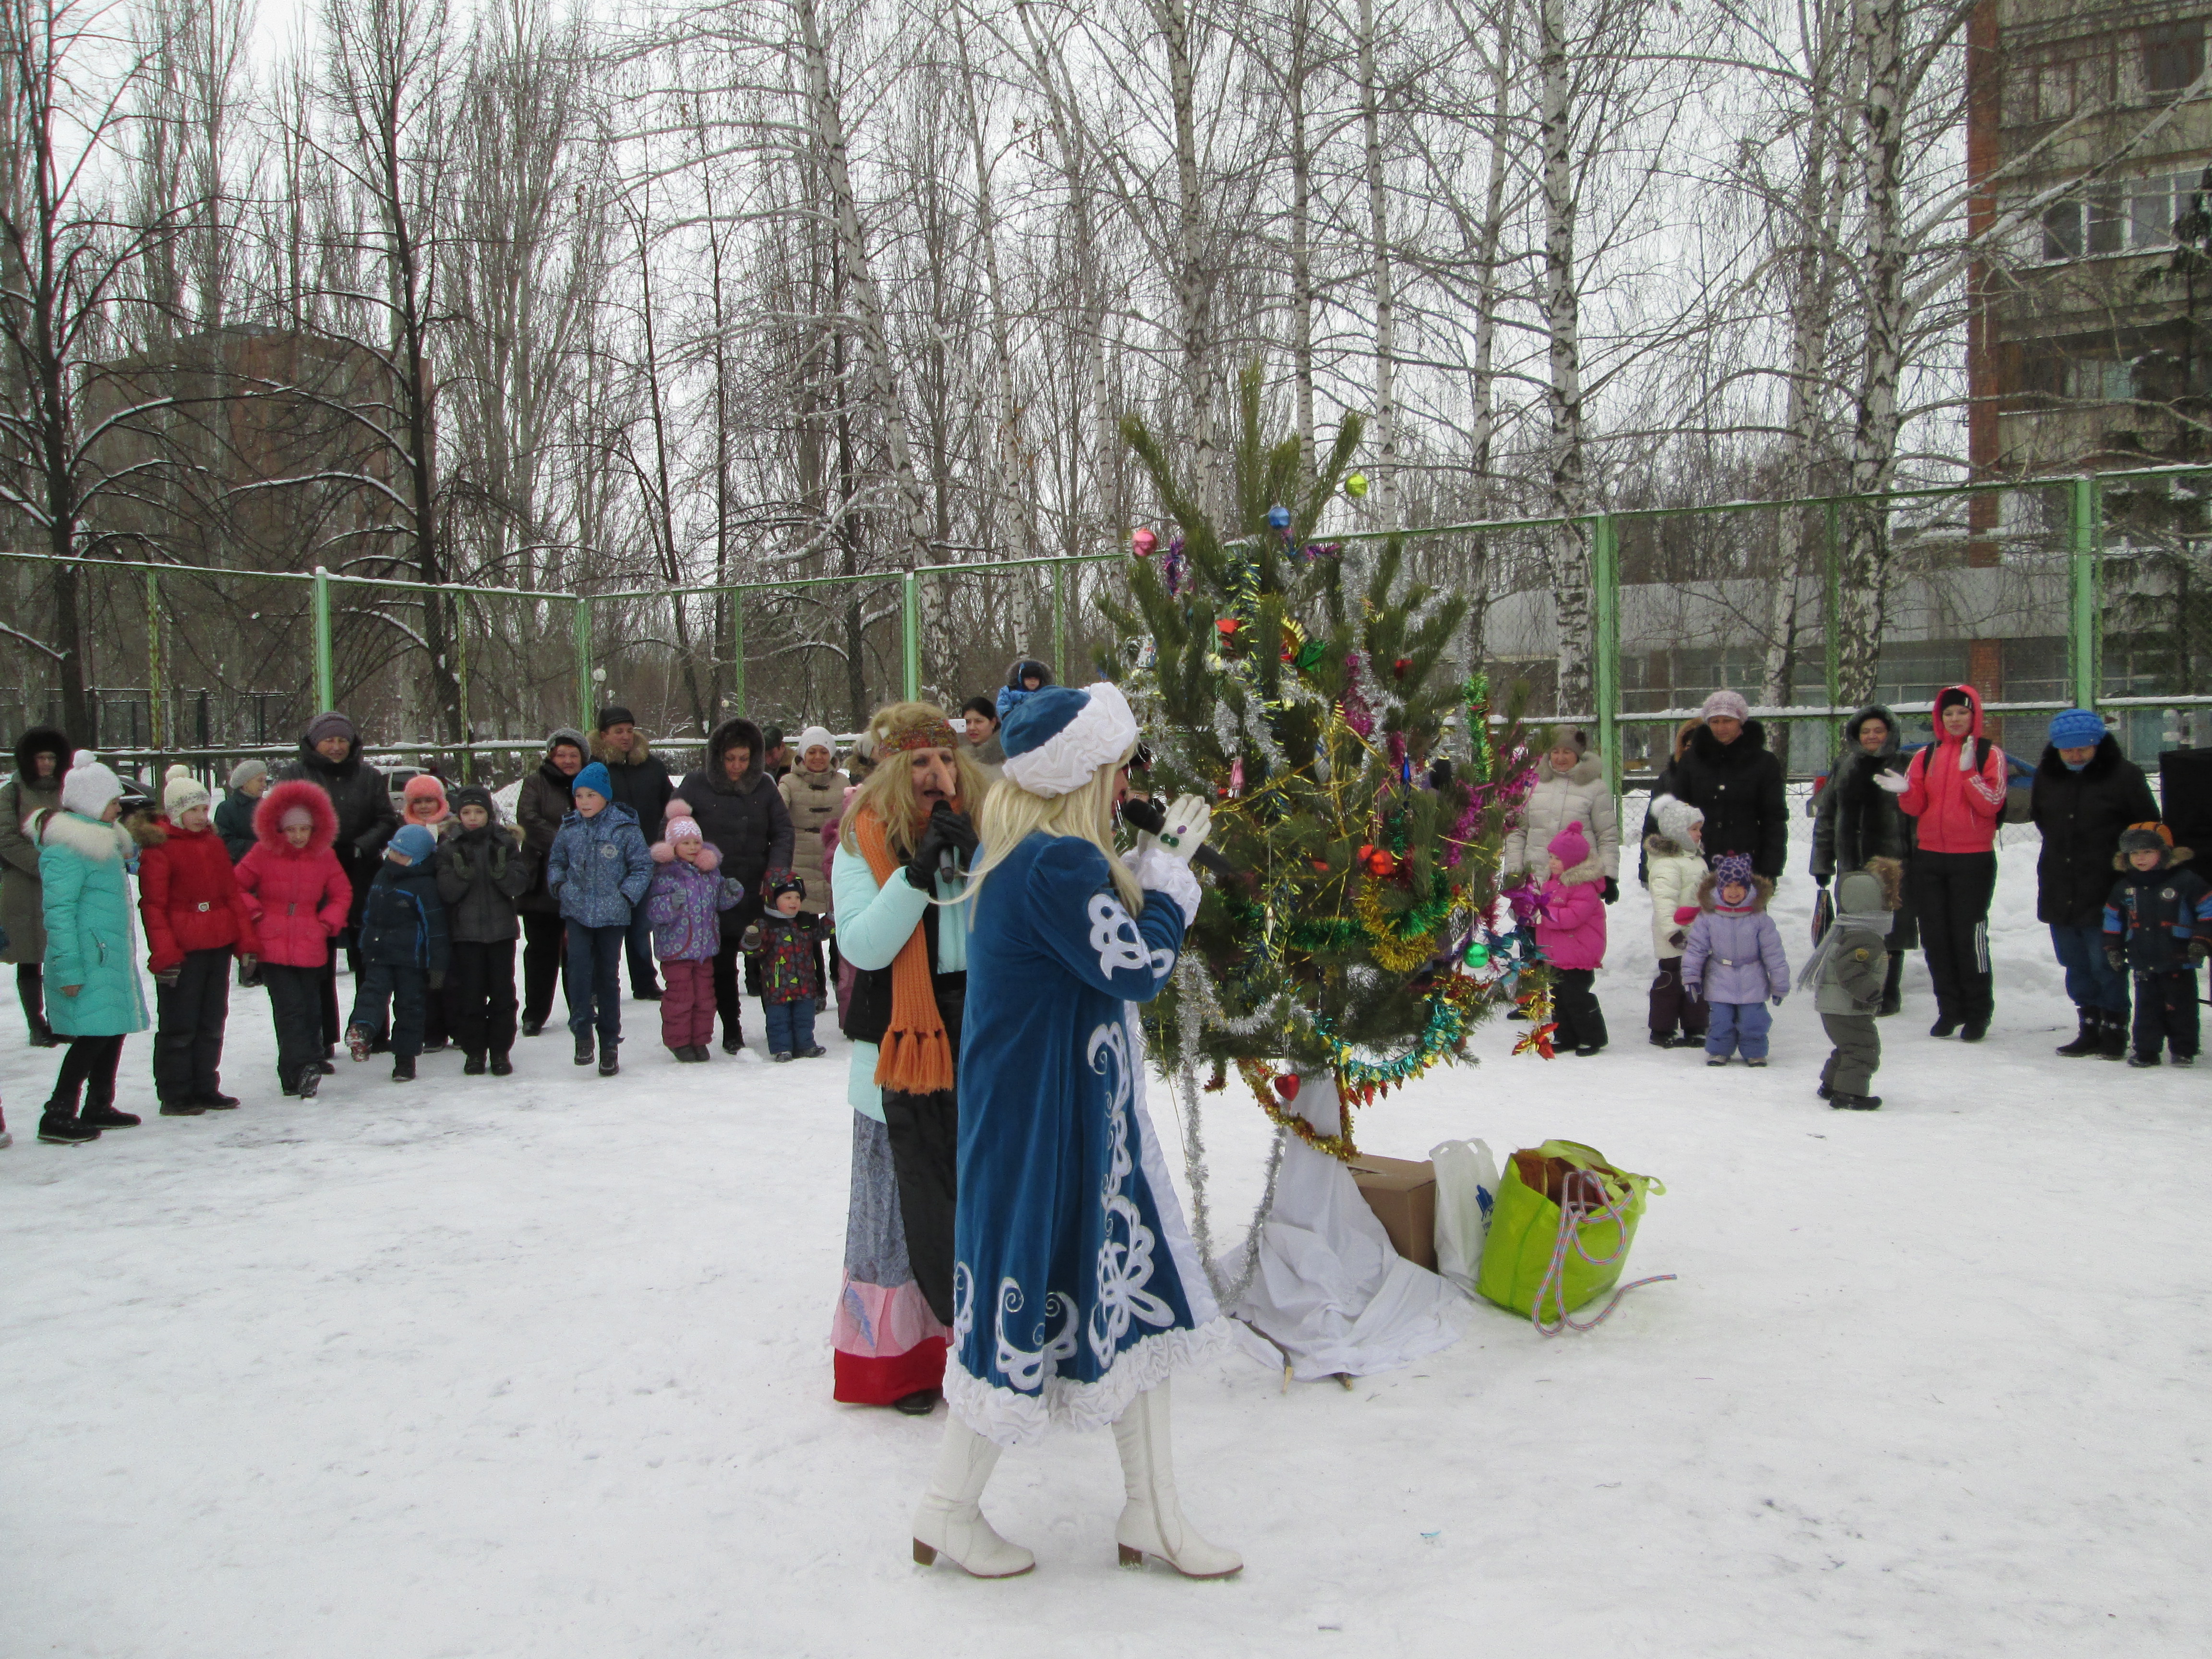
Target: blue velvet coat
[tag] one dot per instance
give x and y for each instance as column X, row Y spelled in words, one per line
column 1075, row 1284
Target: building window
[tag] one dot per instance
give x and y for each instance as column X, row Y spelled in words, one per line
column 2107, row 218
column 2061, row 231
column 2173, row 55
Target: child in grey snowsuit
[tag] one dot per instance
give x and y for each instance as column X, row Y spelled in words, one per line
column 1848, row 976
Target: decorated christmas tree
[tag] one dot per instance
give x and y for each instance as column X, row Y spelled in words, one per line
column 1310, row 695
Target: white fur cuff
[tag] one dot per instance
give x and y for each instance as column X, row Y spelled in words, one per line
column 1161, row 871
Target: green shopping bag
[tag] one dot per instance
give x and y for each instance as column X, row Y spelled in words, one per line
column 1529, row 1266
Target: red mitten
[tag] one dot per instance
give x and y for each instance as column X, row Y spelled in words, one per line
column 1686, row 912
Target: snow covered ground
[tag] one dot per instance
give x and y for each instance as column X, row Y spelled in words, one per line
column 540, row 1367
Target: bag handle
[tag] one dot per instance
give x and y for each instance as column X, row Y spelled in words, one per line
column 1576, row 1214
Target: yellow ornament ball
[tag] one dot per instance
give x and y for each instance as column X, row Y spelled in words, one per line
column 1355, row 485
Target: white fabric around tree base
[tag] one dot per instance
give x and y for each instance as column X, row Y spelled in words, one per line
column 1330, row 1290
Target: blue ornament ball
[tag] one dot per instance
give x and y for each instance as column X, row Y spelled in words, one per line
column 1279, row 516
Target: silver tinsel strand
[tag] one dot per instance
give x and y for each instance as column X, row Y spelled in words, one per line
column 1195, row 1004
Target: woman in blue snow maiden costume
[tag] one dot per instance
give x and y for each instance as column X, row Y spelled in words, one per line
column 1076, row 1287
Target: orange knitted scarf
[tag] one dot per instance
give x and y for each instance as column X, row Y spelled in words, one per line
column 915, row 1056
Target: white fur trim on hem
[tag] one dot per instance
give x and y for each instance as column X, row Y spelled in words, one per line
column 1103, row 730
column 1006, row 1417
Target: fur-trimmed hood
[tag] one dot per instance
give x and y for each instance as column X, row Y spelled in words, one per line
column 1709, row 894
column 1590, row 869
column 1891, row 874
column 603, row 751
column 735, row 733
column 87, row 838
column 2175, row 857
column 42, row 740
column 281, row 798
column 1589, row 769
column 1750, row 742
column 1873, row 711
column 1665, row 847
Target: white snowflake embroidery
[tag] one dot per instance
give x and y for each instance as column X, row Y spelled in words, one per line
column 1114, row 937
column 1125, row 1253
column 963, row 1305
column 1025, row 1368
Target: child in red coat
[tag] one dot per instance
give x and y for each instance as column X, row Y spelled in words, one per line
column 197, row 919
column 302, row 897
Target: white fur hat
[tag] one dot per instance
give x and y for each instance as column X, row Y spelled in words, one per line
column 1676, row 818
column 1057, row 739
column 87, row 786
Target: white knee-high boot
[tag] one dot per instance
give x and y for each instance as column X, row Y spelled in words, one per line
column 1151, row 1524
column 950, row 1521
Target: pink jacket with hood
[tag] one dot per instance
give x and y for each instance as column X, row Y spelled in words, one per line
column 1571, row 932
column 1956, row 787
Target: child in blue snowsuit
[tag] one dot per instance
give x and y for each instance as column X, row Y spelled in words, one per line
column 403, row 950
column 2157, row 926
column 599, row 868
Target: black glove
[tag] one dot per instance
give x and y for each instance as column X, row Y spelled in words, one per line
column 2116, row 961
column 1819, row 881
column 1611, row 891
column 948, row 831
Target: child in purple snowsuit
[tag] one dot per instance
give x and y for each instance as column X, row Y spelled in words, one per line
column 1571, row 933
column 682, row 904
column 1734, row 959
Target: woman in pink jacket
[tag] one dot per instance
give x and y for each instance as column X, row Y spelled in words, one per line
column 1571, row 933
column 1955, row 789
column 301, row 897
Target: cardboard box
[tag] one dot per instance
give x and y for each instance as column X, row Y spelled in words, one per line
column 1403, row 1195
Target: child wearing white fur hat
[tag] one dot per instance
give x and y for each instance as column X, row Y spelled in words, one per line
column 1675, row 864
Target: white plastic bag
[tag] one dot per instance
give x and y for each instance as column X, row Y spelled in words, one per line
column 1466, row 1187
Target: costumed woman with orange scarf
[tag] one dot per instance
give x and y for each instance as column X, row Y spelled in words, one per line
column 904, row 838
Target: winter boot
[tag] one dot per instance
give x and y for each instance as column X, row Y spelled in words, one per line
column 1151, row 1522
column 1663, row 1039
column 584, row 1050
column 30, row 986
column 183, row 1109
column 645, row 994
column 733, row 1040
column 1974, row 1029
column 532, row 1025
column 473, row 1065
column 60, row 1129
column 2143, row 1059
column 2091, row 1038
column 102, row 1115
column 1944, row 1026
column 215, row 1101
column 403, row 1068
column 609, row 1063
column 949, row 1521
column 359, row 1041
column 1855, row 1103
column 311, row 1080
column 501, row 1066
column 2115, row 1038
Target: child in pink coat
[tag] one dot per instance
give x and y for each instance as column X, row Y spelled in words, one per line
column 1571, row 933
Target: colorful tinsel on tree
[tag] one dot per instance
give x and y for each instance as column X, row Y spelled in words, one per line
column 1310, row 695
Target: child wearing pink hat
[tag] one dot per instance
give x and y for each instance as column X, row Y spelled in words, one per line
column 1571, row 933
column 423, row 801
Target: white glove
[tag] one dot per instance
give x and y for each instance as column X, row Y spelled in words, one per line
column 1160, row 871
column 1895, row 782
column 1185, row 830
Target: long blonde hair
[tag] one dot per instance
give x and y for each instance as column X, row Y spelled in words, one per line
column 888, row 791
column 1011, row 814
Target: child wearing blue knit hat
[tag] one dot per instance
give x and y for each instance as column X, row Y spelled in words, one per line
column 403, row 949
column 599, row 868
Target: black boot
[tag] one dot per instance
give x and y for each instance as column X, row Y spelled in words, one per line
column 30, row 985
column 733, row 1040
column 311, row 1080
column 2091, row 1039
column 501, row 1066
column 1855, row 1103
column 403, row 1068
column 60, row 1129
column 102, row 1115
column 2115, row 1037
column 474, row 1065
column 584, row 1050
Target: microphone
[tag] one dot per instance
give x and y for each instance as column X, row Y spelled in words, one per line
column 1152, row 819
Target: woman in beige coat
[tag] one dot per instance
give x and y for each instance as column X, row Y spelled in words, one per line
column 1570, row 788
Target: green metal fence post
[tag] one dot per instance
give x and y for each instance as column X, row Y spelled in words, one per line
column 910, row 635
column 2084, row 618
column 326, row 689
column 1067, row 675
column 737, row 648
column 157, row 725
column 1605, row 642
column 1832, row 605
column 461, row 636
column 584, row 662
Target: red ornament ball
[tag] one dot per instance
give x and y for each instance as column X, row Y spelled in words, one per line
column 1287, row 1085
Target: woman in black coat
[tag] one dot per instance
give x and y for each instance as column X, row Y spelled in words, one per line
column 539, row 805
column 1725, row 771
column 1856, row 820
column 742, row 815
column 2084, row 793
